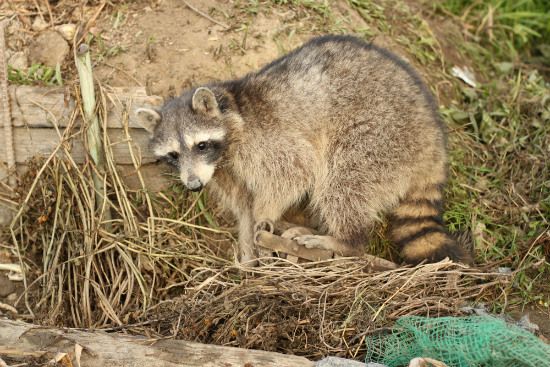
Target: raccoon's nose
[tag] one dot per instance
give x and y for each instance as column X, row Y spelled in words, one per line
column 194, row 184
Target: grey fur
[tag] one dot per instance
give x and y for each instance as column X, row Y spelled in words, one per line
column 344, row 126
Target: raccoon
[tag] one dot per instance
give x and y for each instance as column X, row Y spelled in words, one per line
column 343, row 125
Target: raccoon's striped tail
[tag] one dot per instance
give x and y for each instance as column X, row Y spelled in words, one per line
column 417, row 228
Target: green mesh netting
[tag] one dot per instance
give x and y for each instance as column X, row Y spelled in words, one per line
column 459, row 342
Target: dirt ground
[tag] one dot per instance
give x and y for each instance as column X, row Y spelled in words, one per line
column 170, row 47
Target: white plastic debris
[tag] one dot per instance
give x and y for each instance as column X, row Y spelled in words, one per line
column 465, row 74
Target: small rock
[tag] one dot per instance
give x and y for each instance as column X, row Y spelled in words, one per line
column 341, row 362
column 66, row 30
column 11, row 298
column 6, row 215
column 526, row 324
column 50, row 49
column 6, row 286
column 39, row 24
column 426, row 362
column 18, row 61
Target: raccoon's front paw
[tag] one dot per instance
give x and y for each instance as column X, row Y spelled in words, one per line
column 264, row 225
column 248, row 259
column 315, row 241
column 294, row 232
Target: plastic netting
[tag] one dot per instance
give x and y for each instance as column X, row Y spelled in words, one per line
column 459, row 342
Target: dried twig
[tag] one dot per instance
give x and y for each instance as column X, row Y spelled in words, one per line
column 203, row 14
column 276, row 243
column 8, row 308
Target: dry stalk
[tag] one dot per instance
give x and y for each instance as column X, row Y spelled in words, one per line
column 95, row 148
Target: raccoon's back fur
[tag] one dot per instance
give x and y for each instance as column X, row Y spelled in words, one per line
column 343, row 125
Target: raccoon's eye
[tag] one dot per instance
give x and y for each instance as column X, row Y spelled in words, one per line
column 173, row 155
column 202, row 145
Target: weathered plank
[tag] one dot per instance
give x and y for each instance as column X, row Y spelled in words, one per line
column 155, row 176
column 43, row 141
column 43, row 106
column 18, row 339
column 35, row 111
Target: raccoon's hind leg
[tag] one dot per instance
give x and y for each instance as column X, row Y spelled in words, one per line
column 417, row 228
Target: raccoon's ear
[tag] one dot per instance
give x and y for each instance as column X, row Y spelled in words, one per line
column 148, row 118
column 204, row 101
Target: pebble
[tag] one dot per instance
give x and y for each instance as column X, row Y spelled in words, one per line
column 50, row 49
column 11, row 298
column 66, row 30
column 6, row 286
column 19, row 61
column 39, row 24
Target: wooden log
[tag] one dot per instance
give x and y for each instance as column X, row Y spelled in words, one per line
column 276, row 243
column 19, row 340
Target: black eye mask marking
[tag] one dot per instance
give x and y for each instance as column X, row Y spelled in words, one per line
column 211, row 150
column 171, row 158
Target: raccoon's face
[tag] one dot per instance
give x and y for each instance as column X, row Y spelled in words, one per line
column 188, row 134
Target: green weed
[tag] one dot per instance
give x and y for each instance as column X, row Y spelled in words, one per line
column 37, row 73
column 500, row 186
column 509, row 27
column 320, row 6
column 499, row 182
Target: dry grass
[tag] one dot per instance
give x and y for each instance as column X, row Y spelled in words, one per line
column 319, row 308
column 86, row 269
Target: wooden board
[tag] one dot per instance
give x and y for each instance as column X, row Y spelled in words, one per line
column 18, row 339
column 155, row 177
column 29, row 143
column 43, row 106
column 36, row 110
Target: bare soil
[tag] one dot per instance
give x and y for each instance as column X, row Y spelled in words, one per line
column 170, row 47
